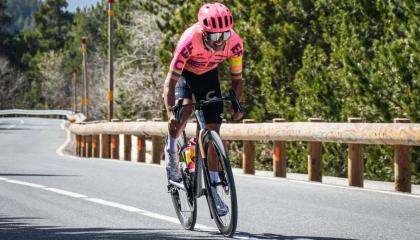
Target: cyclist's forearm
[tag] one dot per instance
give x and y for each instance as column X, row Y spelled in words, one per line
column 169, row 91
column 238, row 87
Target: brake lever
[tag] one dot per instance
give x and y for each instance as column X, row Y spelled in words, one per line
column 235, row 102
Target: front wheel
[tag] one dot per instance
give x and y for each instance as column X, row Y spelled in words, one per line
column 224, row 185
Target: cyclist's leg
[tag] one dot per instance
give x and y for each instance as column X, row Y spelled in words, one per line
column 176, row 130
column 182, row 91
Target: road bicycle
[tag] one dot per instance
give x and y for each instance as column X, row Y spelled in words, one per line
column 196, row 183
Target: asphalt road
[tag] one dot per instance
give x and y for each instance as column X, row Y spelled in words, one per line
column 44, row 195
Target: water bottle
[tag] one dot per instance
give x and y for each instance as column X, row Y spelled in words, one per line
column 190, row 155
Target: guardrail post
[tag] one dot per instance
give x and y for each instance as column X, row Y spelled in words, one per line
column 157, row 146
column 315, row 158
column 105, row 141
column 355, row 161
column 279, row 155
column 115, row 144
column 83, row 147
column 402, row 162
column 127, row 144
column 248, row 157
column 141, row 145
column 95, row 146
column 78, row 145
column 89, row 146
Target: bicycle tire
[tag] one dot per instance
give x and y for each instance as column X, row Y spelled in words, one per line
column 185, row 206
column 226, row 226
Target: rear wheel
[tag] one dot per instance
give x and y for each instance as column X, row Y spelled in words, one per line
column 225, row 186
column 184, row 203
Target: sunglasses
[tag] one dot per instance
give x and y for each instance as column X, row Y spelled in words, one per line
column 219, row 36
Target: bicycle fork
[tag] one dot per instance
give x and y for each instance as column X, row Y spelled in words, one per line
column 199, row 190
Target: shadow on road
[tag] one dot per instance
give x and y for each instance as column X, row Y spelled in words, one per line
column 285, row 237
column 21, row 228
column 16, row 128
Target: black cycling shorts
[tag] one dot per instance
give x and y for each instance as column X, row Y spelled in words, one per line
column 205, row 86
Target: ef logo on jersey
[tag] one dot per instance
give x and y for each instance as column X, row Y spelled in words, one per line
column 187, row 50
column 237, row 49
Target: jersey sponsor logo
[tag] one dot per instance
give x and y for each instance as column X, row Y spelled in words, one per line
column 211, row 95
column 196, row 64
column 187, row 50
column 237, row 50
column 212, row 64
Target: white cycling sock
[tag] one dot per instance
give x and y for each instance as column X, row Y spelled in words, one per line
column 214, row 176
column 171, row 144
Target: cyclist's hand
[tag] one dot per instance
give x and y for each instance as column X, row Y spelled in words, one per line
column 236, row 116
column 172, row 121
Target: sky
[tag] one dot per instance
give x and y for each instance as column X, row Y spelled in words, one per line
column 73, row 4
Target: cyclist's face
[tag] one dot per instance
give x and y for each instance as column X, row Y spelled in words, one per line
column 217, row 40
column 217, row 45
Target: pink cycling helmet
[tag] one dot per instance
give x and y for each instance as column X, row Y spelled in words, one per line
column 215, row 17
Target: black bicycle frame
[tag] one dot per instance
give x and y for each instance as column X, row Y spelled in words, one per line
column 202, row 131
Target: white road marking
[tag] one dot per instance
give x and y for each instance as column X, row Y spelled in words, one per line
column 25, row 183
column 60, row 150
column 113, row 204
column 67, row 193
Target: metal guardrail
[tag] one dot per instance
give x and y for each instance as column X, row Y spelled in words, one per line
column 35, row 112
column 101, row 139
column 62, row 114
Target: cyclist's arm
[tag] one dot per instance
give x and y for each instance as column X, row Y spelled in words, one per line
column 175, row 71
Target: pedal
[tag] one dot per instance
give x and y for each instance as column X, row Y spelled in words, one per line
column 171, row 189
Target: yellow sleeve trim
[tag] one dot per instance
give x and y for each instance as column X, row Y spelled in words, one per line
column 236, row 61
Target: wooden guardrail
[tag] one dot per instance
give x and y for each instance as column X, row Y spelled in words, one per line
column 103, row 138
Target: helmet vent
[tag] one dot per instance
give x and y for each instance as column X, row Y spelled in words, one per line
column 231, row 20
column 213, row 22
column 226, row 21
column 206, row 23
column 220, row 22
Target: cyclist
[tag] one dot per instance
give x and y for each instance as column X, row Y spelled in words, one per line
column 193, row 71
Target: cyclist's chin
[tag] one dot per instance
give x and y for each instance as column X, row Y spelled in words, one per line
column 217, row 45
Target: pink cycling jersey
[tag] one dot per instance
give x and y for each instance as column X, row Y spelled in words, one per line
column 192, row 54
